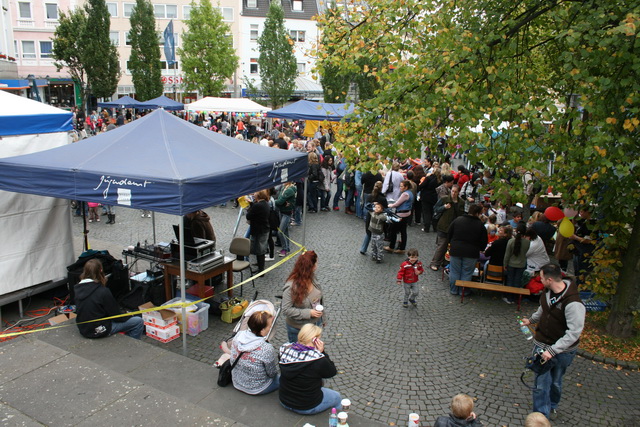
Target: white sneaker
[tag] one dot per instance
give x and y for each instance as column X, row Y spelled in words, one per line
column 141, row 215
column 269, row 258
column 148, row 215
column 507, row 300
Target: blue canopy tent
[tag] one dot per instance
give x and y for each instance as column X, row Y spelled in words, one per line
column 123, row 102
column 161, row 102
column 308, row 110
column 159, row 162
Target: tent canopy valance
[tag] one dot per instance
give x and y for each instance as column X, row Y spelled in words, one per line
column 308, row 110
column 235, row 105
column 23, row 116
column 123, row 102
column 161, row 102
column 159, row 162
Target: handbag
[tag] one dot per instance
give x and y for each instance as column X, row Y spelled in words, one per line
column 536, row 364
column 224, row 376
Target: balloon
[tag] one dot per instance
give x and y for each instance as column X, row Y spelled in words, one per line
column 553, row 213
column 566, row 228
column 570, row 213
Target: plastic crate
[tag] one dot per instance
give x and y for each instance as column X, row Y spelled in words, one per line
column 590, row 303
column 197, row 321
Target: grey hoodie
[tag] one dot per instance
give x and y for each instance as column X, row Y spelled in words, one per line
column 257, row 367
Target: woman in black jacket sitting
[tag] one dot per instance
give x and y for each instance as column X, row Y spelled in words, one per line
column 95, row 301
column 303, row 366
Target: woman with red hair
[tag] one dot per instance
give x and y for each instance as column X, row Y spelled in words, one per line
column 302, row 296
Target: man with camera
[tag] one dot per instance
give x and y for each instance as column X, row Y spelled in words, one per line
column 560, row 320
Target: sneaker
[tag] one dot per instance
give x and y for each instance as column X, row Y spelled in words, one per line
column 399, row 251
column 336, row 208
column 362, row 253
column 282, row 253
column 148, row 215
column 434, row 268
column 141, row 215
column 269, row 258
column 553, row 414
column 413, row 303
column 405, row 305
column 90, row 220
column 378, row 261
column 507, row 300
column 98, row 219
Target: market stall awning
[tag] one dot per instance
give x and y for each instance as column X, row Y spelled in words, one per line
column 231, row 105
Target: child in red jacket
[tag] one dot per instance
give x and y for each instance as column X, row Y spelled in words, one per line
column 409, row 271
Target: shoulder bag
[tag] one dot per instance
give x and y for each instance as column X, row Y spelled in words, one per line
column 224, row 376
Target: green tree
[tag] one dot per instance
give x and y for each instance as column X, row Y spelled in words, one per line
column 546, row 80
column 99, row 55
column 277, row 63
column 144, row 62
column 68, row 45
column 207, row 54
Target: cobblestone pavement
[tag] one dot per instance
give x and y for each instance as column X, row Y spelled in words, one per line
column 391, row 360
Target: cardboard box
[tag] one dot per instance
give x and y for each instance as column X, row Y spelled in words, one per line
column 197, row 321
column 61, row 318
column 159, row 319
column 163, row 334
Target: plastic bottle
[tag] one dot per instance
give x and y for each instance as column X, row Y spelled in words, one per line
column 333, row 418
column 525, row 330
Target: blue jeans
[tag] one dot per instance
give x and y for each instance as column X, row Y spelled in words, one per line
column 330, row 399
column 460, row 269
column 325, row 198
column 365, row 242
column 514, row 276
column 133, row 327
column 548, row 390
column 359, row 209
column 285, row 220
column 297, row 215
column 292, row 333
column 272, row 387
column 336, row 198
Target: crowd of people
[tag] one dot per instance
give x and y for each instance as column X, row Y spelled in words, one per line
column 474, row 230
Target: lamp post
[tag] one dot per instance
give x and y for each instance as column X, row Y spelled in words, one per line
column 31, row 78
column 48, row 92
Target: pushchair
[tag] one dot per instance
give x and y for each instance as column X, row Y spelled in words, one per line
column 242, row 325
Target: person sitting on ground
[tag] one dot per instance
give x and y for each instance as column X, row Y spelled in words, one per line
column 536, row 419
column 257, row 370
column 303, row 366
column 94, row 301
column 461, row 413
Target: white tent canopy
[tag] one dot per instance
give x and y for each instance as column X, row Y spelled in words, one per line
column 235, row 105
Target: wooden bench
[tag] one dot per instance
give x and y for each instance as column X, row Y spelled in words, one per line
column 492, row 287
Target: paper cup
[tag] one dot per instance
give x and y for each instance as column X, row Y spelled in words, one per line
column 414, row 420
column 319, row 308
column 346, row 405
column 342, row 418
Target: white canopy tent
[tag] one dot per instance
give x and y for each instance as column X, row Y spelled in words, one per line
column 37, row 244
column 235, row 105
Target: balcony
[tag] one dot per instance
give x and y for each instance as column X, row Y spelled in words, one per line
column 25, row 23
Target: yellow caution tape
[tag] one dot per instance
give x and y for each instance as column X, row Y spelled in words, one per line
column 172, row 305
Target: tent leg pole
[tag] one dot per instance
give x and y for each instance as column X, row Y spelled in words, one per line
column 182, row 288
column 235, row 229
column 153, row 224
column 84, row 223
column 304, row 214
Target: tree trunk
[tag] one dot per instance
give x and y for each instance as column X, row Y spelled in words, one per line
column 625, row 301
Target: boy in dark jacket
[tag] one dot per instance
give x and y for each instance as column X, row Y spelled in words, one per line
column 462, row 414
column 409, row 271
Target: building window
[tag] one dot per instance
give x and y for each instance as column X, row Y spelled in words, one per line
column 296, row 5
column 168, row 11
column 127, row 40
column 176, row 39
column 51, row 10
column 297, row 36
column 24, row 10
column 253, row 66
column 227, row 13
column 45, row 49
column 128, row 8
column 252, row 4
column 28, row 49
column 164, row 66
column 186, row 12
column 253, row 33
column 302, row 67
column 114, row 36
column 113, row 9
